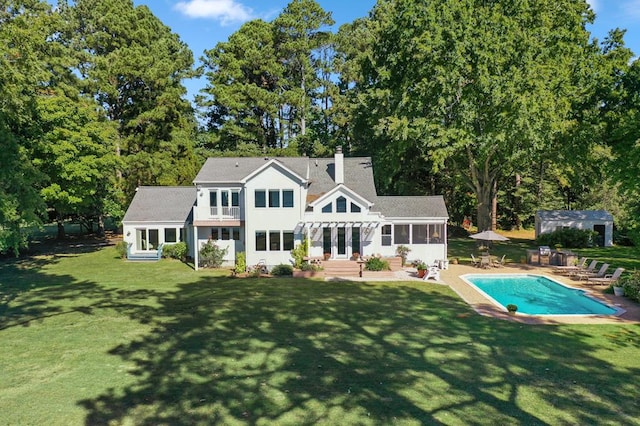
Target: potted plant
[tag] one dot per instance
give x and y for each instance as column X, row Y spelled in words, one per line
column 421, row 267
column 618, row 290
column 512, row 308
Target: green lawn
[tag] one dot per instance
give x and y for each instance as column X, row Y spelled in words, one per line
column 90, row 339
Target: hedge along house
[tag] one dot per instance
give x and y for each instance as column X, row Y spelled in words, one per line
column 599, row 221
column 266, row 206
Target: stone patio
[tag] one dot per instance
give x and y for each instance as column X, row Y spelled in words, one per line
column 483, row 306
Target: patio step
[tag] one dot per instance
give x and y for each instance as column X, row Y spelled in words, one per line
column 351, row 268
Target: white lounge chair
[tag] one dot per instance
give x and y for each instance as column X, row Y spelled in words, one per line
column 589, row 269
column 566, row 269
column 586, row 275
column 432, row 272
column 474, row 262
column 607, row 279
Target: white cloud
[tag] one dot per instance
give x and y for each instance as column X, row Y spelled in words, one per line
column 225, row 11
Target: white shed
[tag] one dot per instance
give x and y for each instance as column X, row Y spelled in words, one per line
column 599, row 221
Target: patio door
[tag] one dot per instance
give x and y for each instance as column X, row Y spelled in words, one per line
column 326, row 241
column 334, row 242
column 147, row 239
column 341, row 240
column 355, row 240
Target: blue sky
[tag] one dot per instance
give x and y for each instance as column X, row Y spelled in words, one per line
column 203, row 23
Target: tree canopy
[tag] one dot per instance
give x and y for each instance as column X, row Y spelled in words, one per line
column 503, row 107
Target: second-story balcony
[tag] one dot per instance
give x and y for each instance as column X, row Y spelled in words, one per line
column 225, row 213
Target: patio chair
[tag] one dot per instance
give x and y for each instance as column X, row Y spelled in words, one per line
column 432, row 272
column 499, row 263
column 586, row 275
column 474, row 262
column 485, row 261
column 589, row 269
column 566, row 269
column 607, row 279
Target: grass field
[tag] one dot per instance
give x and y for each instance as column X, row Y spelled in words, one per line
column 90, row 339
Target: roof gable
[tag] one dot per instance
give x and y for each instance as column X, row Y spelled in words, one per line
column 344, row 190
column 275, row 164
column 238, row 169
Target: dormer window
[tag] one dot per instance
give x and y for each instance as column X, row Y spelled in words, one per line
column 355, row 208
column 341, row 205
column 328, row 208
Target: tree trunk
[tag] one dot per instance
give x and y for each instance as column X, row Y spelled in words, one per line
column 61, row 233
column 484, row 210
column 303, row 120
column 517, row 204
column 100, row 225
column 483, row 182
column 494, row 207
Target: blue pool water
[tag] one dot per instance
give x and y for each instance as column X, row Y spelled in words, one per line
column 537, row 295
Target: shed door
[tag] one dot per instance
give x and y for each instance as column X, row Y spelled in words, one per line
column 600, row 229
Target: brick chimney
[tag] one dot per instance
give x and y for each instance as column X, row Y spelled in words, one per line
column 339, row 166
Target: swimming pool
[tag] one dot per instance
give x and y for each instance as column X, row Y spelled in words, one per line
column 537, row 295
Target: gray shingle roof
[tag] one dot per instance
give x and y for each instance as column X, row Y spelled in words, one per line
column 410, row 207
column 161, row 204
column 235, row 169
column 320, row 172
column 553, row 215
column 358, row 176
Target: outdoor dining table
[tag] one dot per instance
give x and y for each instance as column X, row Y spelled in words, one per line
column 486, row 261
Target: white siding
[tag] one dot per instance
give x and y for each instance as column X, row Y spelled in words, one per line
column 271, row 218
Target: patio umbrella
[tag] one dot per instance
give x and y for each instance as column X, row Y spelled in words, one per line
column 488, row 236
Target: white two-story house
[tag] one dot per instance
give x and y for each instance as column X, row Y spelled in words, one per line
column 266, row 206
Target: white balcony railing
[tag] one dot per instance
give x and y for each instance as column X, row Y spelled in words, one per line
column 225, row 213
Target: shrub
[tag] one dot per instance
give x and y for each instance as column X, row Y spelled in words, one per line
column 377, row 264
column 181, row 250
column 122, row 249
column 306, row 266
column 511, row 307
column 241, row 262
column 299, row 253
column 282, row 270
column 255, row 271
column 631, row 285
column 456, row 231
column 175, row 251
column 569, row 238
column 212, row 256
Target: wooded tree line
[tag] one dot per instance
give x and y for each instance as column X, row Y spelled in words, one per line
column 504, row 107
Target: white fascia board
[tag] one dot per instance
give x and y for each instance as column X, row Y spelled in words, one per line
column 342, row 188
column 273, row 163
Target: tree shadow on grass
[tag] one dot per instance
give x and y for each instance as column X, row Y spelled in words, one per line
column 28, row 295
column 305, row 352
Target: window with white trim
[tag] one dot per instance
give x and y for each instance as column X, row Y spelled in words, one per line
column 386, row 235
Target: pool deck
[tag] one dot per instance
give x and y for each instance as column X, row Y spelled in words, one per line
column 484, row 307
